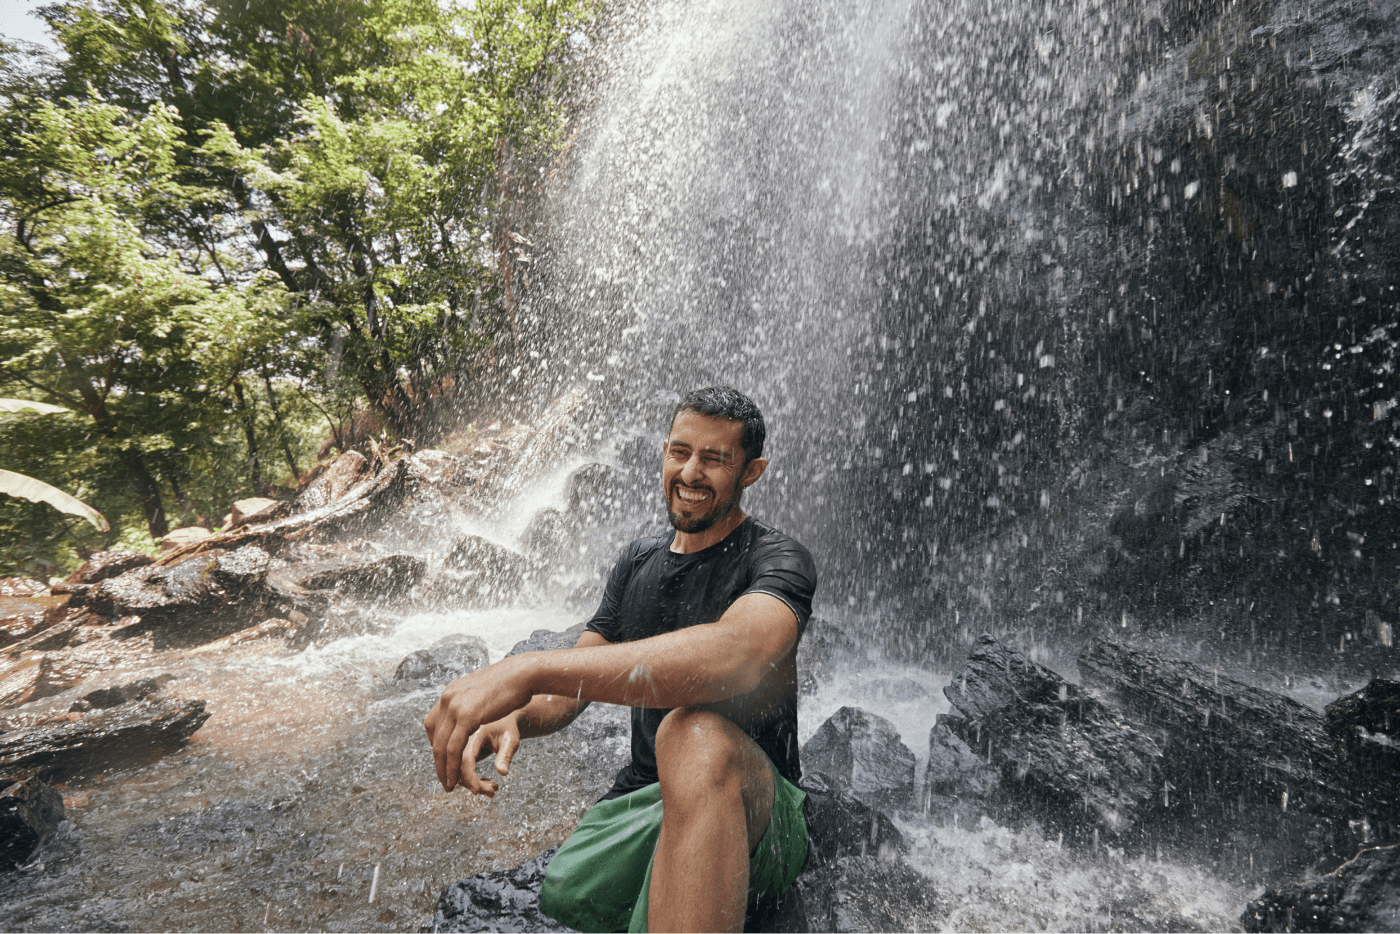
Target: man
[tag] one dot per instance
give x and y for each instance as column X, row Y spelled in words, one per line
column 698, row 633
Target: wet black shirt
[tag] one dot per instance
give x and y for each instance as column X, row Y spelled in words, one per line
column 653, row 590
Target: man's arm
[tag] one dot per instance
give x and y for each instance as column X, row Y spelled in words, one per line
column 696, row 665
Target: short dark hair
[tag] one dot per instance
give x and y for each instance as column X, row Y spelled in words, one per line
column 726, row 402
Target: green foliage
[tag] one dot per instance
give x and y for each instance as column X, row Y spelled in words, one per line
column 225, row 226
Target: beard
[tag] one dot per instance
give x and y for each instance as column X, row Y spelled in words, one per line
column 693, row 524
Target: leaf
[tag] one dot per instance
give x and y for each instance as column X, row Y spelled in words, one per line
column 37, row 491
column 19, row 405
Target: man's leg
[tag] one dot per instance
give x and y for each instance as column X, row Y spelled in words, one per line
column 717, row 797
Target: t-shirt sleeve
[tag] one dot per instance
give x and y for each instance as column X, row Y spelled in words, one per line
column 605, row 622
column 784, row 569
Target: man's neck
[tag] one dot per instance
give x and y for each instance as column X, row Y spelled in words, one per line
column 687, row 543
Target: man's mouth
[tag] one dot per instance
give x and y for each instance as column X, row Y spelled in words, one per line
column 689, row 496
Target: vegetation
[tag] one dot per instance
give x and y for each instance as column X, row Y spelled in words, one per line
column 227, row 225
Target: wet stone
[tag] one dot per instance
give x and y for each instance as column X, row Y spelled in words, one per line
column 30, row 810
column 551, row 537
column 824, row 649
column 103, row 698
column 861, row 753
column 953, row 768
column 445, row 660
column 545, row 640
column 179, row 538
column 1361, row 895
column 358, row 576
column 129, row 734
column 588, row 489
column 105, row 564
column 500, row 900
column 22, row 587
column 256, row 509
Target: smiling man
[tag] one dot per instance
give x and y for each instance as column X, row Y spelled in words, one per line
column 697, row 633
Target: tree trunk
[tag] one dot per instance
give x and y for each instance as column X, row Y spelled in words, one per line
column 245, row 413
column 281, row 428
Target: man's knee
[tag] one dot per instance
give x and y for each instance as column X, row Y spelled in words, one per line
column 698, row 744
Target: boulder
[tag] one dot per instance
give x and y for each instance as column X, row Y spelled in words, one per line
column 127, row 735
column 105, row 564
column 1360, row 895
column 23, row 618
column 256, row 509
column 544, row 640
column 1366, row 727
column 1233, row 754
column 22, row 587
column 862, row 754
column 102, row 698
column 499, row 900
column 551, row 537
column 357, row 575
column 592, row 490
column 445, row 660
column 954, row 770
column 30, row 810
column 176, row 539
column 478, row 572
column 1065, row 758
column 206, row 594
column 337, row 480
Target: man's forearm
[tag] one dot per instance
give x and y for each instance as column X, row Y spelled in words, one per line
column 547, row 714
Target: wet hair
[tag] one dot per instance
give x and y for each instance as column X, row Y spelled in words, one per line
column 725, row 402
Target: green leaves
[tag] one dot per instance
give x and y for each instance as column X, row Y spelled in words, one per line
column 37, row 491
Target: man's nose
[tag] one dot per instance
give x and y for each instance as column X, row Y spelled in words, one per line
column 692, row 471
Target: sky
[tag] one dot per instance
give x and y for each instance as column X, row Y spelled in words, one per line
column 17, row 21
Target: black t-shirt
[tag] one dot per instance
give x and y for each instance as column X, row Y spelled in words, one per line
column 653, row 590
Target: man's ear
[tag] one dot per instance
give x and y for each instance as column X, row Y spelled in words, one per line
column 752, row 471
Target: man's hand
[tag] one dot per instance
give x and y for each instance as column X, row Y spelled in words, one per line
column 466, row 705
column 502, row 738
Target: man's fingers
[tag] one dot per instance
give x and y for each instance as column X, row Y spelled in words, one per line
column 449, row 754
column 509, row 744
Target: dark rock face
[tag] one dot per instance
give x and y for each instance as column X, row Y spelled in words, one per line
column 445, row 660
column 545, row 640
column 29, row 811
column 1361, row 895
column 358, row 575
column 551, row 537
column 125, row 735
column 824, row 648
column 103, row 698
column 1064, row 757
column 1366, row 726
column 107, row 564
column 589, row 488
column 213, row 586
column 862, row 754
column 479, row 572
column 954, row 769
column 502, row 900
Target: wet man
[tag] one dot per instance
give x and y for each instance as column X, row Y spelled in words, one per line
column 697, row 632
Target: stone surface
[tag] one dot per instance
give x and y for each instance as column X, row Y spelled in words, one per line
column 180, row 538
column 445, row 660
column 500, row 900
column 105, row 564
column 825, row 647
column 122, row 736
column 479, row 572
column 358, row 575
column 1366, row 725
column 862, row 754
column 202, row 597
column 22, row 618
column 35, row 676
column 1065, row 758
column 102, row 698
column 1361, row 895
column 953, row 768
column 30, row 810
column 22, row 587
column 551, row 538
column 589, row 487
column 544, row 640
column 256, row 509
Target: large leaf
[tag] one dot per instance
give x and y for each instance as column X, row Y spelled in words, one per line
column 37, row 491
column 20, row 405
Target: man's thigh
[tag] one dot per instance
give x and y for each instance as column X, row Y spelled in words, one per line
column 699, row 752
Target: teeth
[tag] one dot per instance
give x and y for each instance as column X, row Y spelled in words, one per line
column 692, row 496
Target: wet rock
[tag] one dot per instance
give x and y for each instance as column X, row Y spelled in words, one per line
column 1232, row 753
column 337, row 480
column 1064, row 757
column 127, row 735
column 954, row 770
column 103, row 698
column 590, row 488
column 1366, row 724
column 30, row 810
column 256, row 509
column 445, row 660
column 22, row 587
column 862, row 754
column 551, row 537
column 176, row 539
column 358, row 575
column 24, row 618
column 1361, row 895
column 480, row 572
column 436, row 468
column 825, row 647
column 35, row 676
column 545, row 640
column 105, row 564
column 500, row 900
column 204, row 595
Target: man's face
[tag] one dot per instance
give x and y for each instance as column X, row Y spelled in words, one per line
column 702, row 470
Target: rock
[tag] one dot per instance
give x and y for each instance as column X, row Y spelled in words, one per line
column 103, row 698
column 435, row 468
column 1065, row 758
column 445, row 660
column 256, row 509
column 29, row 811
column 480, row 572
column 342, row 475
column 590, row 489
column 357, row 575
column 1361, row 895
column 545, row 640
column 176, row 539
column 203, row 596
column 1366, row 725
column 22, row 587
column 105, row 564
column 128, row 735
column 1231, row 752
column 861, row 753
column 551, row 537
column 36, row 676
column 276, row 626
column 824, row 648
column 23, row 618
column 954, row 769
column 500, row 900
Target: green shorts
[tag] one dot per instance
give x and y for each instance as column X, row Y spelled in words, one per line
column 599, row 879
